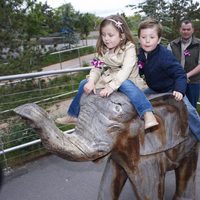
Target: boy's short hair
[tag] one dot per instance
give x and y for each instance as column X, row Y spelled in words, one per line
column 151, row 23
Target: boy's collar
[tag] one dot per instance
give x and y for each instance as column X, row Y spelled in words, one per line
column 151, row 52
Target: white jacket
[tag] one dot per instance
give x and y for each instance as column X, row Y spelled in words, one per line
column 120, row 66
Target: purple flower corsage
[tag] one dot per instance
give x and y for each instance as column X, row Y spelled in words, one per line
column 186, row 53
column 97, row 63
column 140, row 64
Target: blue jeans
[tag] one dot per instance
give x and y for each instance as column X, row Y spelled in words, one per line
column 194, row 119
column 193, row 93
column 74, row 107
column 136, row 96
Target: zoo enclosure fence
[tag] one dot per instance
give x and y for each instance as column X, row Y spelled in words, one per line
column 49, row 89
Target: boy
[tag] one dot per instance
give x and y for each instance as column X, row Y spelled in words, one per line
column 162, row 71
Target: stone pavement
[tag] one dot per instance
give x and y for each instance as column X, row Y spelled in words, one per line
column 53, row 178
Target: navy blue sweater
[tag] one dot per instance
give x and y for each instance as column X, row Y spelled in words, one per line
column 162, row 71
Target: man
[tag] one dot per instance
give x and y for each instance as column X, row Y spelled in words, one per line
column 187, row 50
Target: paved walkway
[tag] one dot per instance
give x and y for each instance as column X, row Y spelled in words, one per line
column 53, row 178
column 74, row 63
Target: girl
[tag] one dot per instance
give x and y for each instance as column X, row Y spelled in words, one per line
column 114, row 69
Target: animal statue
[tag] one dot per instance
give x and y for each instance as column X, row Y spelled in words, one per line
column 110, row 126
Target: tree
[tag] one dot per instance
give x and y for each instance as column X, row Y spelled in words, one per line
column 20, row 22
column 85, row 25
column 157, row 9
column 133, row 22
column 36, row 22
column 67, row 18
column 180, row 9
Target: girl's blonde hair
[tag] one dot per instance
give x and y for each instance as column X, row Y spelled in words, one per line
column 121, row 26
column 151, row 23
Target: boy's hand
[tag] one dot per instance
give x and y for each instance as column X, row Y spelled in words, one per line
column 177, row 95
column 89, row 87
column 106, row 92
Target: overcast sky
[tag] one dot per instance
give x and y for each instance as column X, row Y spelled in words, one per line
column 100, row 8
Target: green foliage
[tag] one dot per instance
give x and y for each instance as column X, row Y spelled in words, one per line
column 23, row 22
column 66, row 19
column 20, row 21
column 154, row 8
column 18, row 136
column 67, row 15
column 85, row 24
column 21, row 134
column 25, row 62
column 170, row 13
column 180, row 9
column 133, row 23
column 197, row 28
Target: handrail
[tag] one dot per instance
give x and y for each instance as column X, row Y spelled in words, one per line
column 27, row 144
column 43, row 73
column 33, row 75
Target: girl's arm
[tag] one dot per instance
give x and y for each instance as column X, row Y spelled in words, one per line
column 95, row 74
column 89, row 87
column 93, row 77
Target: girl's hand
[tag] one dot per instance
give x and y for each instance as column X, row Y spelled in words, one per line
column 89, row 87
column 106, row 92
column 177, row 95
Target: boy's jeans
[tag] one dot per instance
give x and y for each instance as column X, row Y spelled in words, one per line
column 194, row 119
column 193, row 93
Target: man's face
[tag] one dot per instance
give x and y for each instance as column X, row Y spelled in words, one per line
column 186, row 30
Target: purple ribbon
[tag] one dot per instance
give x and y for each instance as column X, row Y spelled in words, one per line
column 187, row 53
column 140, row 64
column 97, row 63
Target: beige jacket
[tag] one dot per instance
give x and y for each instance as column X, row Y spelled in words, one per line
column 120, row 66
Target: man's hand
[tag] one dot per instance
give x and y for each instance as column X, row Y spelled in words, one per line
column 177, row 95
column 89, row 87
column 106, row 92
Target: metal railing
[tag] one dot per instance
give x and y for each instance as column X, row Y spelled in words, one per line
column 14, row 135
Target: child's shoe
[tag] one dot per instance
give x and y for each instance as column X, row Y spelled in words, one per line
column 66, row 120
column 149, row 120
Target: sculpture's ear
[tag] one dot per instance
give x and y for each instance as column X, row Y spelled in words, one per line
column 136, row 127
column 172, row 129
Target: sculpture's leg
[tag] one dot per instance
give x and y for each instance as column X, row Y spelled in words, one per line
column 148, row 180
column 112, row 182
column 185, row 176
